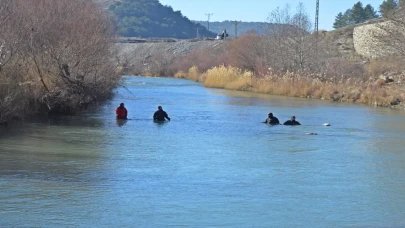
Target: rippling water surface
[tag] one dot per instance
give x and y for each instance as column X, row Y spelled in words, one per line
column 214, row 164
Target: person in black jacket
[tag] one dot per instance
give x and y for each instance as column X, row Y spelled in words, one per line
column 292, row 121
column 160, row 115
column 272, row 120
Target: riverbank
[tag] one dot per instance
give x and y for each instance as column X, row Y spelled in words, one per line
column 333, row 75
column 374, row 93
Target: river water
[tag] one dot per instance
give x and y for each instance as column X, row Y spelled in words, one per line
column 214, row 164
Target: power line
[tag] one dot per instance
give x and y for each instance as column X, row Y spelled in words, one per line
column 208, row 21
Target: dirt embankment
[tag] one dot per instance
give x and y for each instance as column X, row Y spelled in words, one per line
column 150, row 57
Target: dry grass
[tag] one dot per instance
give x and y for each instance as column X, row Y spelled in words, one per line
column 180, row 74
column 296, row 85
column 228, row 78
column 193, row 74
column 378, row 67
column 148, row 74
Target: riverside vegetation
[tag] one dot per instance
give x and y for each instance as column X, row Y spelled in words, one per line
column 290, row 60
column 50, row 61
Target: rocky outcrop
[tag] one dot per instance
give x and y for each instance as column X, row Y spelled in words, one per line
column 368, row 40
column 371, row 41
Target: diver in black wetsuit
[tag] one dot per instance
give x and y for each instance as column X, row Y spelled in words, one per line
column 272, row 120
column 160, row 115
column 292, row 121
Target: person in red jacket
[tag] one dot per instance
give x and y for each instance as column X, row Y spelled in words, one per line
column 121, row 112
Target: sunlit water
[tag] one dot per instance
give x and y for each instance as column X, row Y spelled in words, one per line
column 214, row 164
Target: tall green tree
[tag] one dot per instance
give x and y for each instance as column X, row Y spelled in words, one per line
column 357, row 13
column 343, row 19
column 388, row 7
column 340, row 21
column 348, row 17
column 369, row 12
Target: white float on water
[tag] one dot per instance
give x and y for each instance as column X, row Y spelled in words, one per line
column 326, row 124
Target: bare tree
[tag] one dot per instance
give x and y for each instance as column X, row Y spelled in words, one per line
column 69, row 48
column 54, row 54
column 11, row 87
column 290, row 42
column 248, row 52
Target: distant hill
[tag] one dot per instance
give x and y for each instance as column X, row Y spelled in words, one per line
column 243, row 27
column 149, row 18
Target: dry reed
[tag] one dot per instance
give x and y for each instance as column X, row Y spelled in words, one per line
column 296, row 85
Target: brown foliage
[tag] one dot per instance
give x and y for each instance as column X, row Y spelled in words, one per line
column 63, row 56
column 202, row 58
column 338, row 70
column 248, row 52
column 380, row 66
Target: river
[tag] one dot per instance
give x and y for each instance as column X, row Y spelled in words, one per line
column 213, row 164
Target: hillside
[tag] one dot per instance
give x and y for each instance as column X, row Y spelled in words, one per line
column 149, row 18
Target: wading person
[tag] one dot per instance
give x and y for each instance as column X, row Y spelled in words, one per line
column 121, row 112
column 160, row 115
column 292, row 121
column 271, row 120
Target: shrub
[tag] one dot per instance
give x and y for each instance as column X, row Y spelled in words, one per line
column 59, row 64
column 377, row 67
column 228, row 77
column 193, row 74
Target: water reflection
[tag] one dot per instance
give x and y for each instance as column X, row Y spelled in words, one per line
column 52, row 149
column 121, row 122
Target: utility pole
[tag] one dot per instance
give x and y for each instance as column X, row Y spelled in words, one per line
column 32, row 31
column 198, row 33
column 317, row 17
column 235, row 23
column 208, row 21
column 316, row 25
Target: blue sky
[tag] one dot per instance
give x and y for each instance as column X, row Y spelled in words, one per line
column 258, row 10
